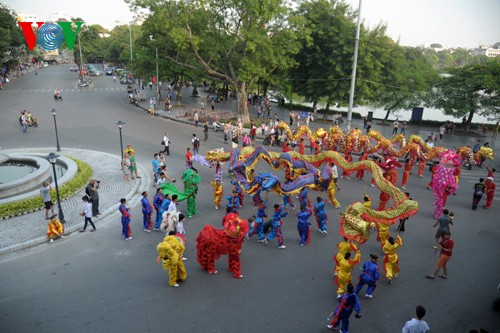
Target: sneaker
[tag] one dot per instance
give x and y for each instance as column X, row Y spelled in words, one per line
column 213, row 273
column 261, row 241
column 404, row 188
column 329, row 326
column 92, row 230
column 216, row 207
column 368, row 296
column 302, row 244
column 325, row 232
column 347, row 177
column 373, row 185
column 128, row 238
column 282, row 247
column 82, row 230
column 156, row 229
column 147, row 230
column 62, row 236
column 435, row 247
column 175, row 285
column 184, row 258
column 293, row 207
column 51, row 240
column 336, row 207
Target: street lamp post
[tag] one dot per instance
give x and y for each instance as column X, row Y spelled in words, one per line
column 52, row 157
column 353, row 74
column 55, row 125
column 157, row 74
column 120, row 125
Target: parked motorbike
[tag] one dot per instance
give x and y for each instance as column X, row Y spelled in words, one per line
column 218, row 126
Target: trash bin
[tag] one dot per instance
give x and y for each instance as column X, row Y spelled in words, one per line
column 370, row 115
column 417, row 114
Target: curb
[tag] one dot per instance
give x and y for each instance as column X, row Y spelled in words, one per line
column 133, row 197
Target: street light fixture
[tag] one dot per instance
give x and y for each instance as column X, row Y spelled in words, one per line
column 120, row 125
column 55, row 125
column 157, row 75
column 52, row 157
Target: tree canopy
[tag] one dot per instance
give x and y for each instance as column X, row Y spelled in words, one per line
column 233, row 41
column 12, row 40
column 468, row 91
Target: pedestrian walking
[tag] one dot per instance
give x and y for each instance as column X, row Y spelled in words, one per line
column 92, row 192
column 126, row 167
column 212, row 104
column 417, row 325
column 195, row 142
column 444, row 222
column 479, row 189
column 403, row 127
column 196, row 118
column 126, row 230
column 395, row 127
column 205, row 130
column 348, row 303
column 49, row 205
column 446, row 247
column 370, row 276
column 87, row 213
column 166, row 144
column 189, row 156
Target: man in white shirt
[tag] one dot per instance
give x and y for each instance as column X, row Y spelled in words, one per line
column 417, row 325
column 395, row 127
column 166, row 140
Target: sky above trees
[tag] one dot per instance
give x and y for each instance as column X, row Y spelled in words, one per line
column 452, row 23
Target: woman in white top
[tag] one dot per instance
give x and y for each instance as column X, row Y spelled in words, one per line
column 126, row 166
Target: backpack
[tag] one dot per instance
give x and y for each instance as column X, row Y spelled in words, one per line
column 196, row 143
column 21, row 120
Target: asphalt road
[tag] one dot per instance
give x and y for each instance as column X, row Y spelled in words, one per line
column 100, row 283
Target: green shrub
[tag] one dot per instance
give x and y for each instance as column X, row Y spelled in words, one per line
column 81, row 179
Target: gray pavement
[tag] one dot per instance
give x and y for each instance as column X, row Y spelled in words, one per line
column 30, row 229
column 98, row 282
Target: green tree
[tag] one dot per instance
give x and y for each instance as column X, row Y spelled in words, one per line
column 232, row 41
column 467, row 91
column 325, row 63
column 93, row 46
column 12, row 40
column 408, row 78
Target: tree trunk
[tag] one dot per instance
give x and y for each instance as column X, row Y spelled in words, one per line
column 386, row 116
column 469, row 121
column 242, row 103
column 327, row 108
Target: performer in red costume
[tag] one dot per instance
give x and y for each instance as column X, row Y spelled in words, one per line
column 490, row 191
column 360, row 173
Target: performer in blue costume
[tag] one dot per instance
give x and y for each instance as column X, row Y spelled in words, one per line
column 303, row 225
column 157, row 202
column 321, row 217
column 348, row 303
column 146, row 212
column 303, row 201
column 369, row 276
column 233, row 201
column 287, row 201
column 276, row 226
column 163, row 209
column 256, row 227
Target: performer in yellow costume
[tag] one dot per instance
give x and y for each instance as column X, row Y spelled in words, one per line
column 383, row 233
column 345, row 267
column 343, row 247
column 218, row 192
column 55, row 229
column 391, row 258
column 170, row 252
column 331, row 194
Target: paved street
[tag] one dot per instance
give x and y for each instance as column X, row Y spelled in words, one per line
column 98, row 282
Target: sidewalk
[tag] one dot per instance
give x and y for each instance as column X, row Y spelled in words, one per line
column 30, row 229
column 194, row 103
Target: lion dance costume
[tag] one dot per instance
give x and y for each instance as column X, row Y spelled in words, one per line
column 211, row 243
column 170, row 252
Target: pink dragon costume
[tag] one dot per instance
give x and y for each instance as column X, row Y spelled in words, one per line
column 444, row 182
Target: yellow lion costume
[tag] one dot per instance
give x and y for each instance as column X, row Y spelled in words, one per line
column 170, row 251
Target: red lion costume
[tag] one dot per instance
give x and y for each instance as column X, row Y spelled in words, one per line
column 211, row 243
